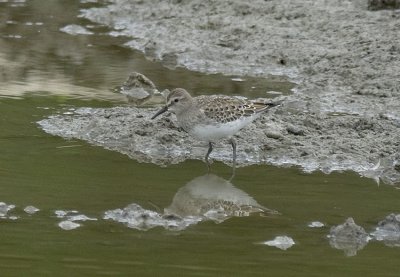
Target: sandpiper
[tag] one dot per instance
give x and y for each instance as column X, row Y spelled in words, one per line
column 212, row 117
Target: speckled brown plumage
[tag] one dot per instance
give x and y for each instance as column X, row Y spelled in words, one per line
column 225, row 109
column 212, row 117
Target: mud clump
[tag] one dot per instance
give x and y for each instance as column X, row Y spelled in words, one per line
column 388, row 230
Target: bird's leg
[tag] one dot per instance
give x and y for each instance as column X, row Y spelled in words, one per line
column 233, row 143
column 210, row 148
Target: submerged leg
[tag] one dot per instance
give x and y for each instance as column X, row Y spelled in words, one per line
column 210, row 149
column 233, row 143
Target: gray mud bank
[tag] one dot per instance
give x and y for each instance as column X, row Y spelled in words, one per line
column 344, row 57
column 328, row 143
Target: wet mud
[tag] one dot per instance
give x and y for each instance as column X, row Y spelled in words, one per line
column 344, row 57
column 280, row 137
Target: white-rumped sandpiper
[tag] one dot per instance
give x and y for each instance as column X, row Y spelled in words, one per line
column 212, row 117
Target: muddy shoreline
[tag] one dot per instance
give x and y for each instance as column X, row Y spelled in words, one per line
column 345, row 58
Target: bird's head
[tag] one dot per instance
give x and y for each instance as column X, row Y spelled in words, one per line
column 177, row 100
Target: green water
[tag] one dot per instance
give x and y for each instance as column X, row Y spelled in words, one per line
column 48, row 72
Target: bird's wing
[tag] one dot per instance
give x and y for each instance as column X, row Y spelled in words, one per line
column 225, row 109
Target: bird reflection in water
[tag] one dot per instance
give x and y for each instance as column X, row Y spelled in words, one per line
column 207, row 197
column 213, row 198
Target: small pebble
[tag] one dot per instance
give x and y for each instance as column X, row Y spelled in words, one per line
column 281, row 242
column 237, row 79
column 316, row 224
column 295, row 130
column 273, row 135
column 31, row 209
column 61, row 213
column 68, row 225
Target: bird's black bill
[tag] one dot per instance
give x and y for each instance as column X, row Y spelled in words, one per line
column 163, row 110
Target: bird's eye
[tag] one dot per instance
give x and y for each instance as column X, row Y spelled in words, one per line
column 176, row 100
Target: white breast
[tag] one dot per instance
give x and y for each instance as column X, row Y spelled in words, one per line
column 216, row 132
